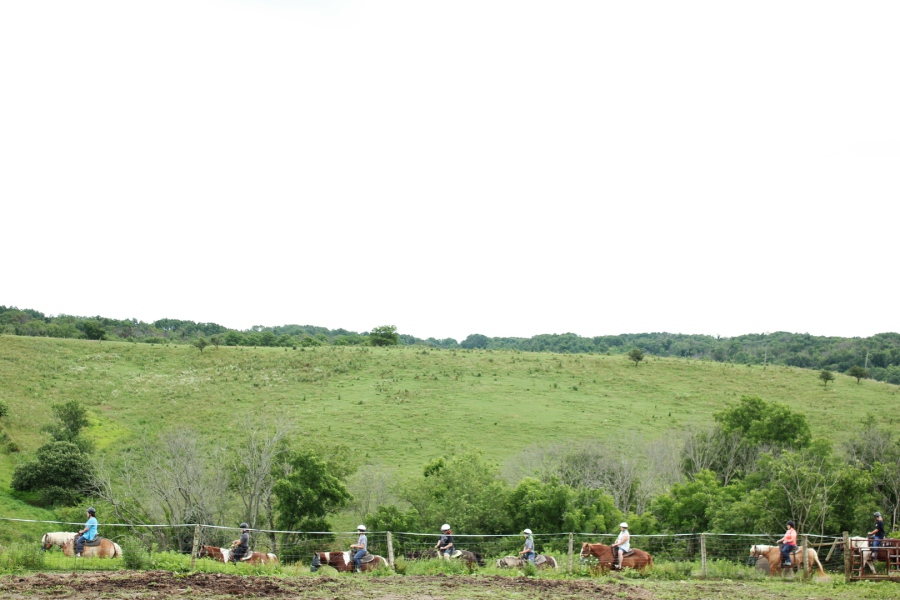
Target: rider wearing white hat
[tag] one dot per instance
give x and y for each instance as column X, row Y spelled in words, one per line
column 359, row 546
column 528, row 551
column 445, row 544
column 622, row 544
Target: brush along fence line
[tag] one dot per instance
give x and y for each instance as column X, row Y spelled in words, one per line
column 698, row 549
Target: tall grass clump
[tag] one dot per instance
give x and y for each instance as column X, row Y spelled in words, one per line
column 22, row 557
column 134, row 554
column 436, row 566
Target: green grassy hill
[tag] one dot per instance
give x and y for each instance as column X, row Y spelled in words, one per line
column 402, row 405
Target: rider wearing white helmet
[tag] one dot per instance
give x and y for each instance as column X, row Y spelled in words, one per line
column 622, row 544
column 445, row 544
column 528, row 551
column 360, row 546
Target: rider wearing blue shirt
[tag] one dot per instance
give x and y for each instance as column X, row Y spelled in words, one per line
column 88, row 533
column 360, row 546
column 528, row 551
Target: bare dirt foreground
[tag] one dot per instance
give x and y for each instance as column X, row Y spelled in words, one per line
column 162, row 584
column 147, row 585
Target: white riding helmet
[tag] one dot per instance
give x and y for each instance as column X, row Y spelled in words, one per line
column 623, row 524
column 361, row 528
column 527, row 532
column 445, row 527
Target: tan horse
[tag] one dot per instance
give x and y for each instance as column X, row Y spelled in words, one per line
column 105, row 549
column 773, row 555
column 637, row 559
column 541, row 561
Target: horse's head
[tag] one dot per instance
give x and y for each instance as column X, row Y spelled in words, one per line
column 46, row 544
column 754, row 551
column 585, row 551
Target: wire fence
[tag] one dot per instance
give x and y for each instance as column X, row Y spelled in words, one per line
column 159, row 543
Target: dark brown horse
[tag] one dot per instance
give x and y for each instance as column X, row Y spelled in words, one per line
column 637, row 559
column 343, row 561
column 471, row 558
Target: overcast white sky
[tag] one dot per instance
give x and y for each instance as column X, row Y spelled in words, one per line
column 505, row 168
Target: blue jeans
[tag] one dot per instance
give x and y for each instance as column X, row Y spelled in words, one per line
column 448, row 551
column 786, row 553
column 529, row 556
column 359, row 554
column 876, row 542
column 79, row 543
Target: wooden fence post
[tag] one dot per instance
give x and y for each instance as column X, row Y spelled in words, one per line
column 703, row 555
column 390, row 544
column 571, row 544
column 196, row 545
column 848, row 557
column 805, row 557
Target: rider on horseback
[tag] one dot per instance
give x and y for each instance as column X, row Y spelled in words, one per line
column 360, row 546
column 528, row 552
column 790, row 544
column 241, row 545
column 621, row 545
column 445, row 544
column 88, row 533
column 878, row 532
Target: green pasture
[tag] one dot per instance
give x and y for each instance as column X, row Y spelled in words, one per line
column 401, row 406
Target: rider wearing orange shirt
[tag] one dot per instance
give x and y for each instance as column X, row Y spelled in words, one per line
column 790, row 543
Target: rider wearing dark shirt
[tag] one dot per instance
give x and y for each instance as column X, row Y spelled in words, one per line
column 242, row 545
column 445, row 544
column 878, row 532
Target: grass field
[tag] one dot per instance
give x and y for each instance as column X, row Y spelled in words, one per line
column 403, row 405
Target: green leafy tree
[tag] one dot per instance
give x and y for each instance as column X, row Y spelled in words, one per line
column 308, row 493
column 825, row 375
column 386, row 335
column 547, row 507
column 475, row 340
column 71, row 420
column 60, row 474
column 216, row 341
column 689, row 507
column 200, row 344
column 389, row 517
column 636, row 354
column 761, row 422
column 856, row 371
column 93, row 330
column 463, row 489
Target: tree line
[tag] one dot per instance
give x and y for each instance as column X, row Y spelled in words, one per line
column 877, row 356
column 754, row 468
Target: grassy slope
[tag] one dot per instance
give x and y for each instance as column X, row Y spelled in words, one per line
column 402, row 406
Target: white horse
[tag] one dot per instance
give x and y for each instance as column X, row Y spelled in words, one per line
column 866, row 551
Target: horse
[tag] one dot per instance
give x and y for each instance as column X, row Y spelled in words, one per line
column 56, row 538
column 103, row 549
column 773, row 555
column 867, row 553
column 471, row 558
column 343, row 561
column 635, row 559
column 541, row 561
column 223, row 555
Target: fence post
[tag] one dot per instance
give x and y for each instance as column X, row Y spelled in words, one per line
column 805, row 557
column 390, row 544
column 848, row 557
column 703, row 555
column 571, row 544
column 196, row 545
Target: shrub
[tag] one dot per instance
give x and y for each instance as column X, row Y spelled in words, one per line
column 23, row 557
column 4, row 409
column 134, row 554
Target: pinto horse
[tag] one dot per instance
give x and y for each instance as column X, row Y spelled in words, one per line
column 773, row 555
column 223, row 555
column 868, row 553
column 541, row 561
column 343, row 561
column 637, row 559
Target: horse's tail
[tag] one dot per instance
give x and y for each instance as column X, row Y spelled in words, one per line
column 117, row 550
column 818, row 564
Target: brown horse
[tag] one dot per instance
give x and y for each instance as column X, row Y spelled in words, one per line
column 773, row 555
column 224, row 555
column 343, row 561
column 637, row 559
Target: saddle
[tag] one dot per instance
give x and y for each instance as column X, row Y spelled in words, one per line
column 456, row 554
column 629, row 553
column 540, row 559
column 93, row 542
column 367, row 558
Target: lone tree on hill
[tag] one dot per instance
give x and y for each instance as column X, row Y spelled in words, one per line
column 200, row 344
column 858, row 372
column 93, row 330
column 826, row 376
column 386, row 335
column 637, row 355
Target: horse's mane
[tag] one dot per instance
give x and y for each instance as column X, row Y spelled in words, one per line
column 58, row 538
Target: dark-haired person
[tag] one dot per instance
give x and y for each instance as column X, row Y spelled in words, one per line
column 790, row 543
column 88, row 533
column 878, row 532
column 240, row 546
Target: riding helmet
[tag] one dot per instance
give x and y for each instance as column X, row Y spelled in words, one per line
column 877, row 514
column 92, row 511
column 623, row 524
column 445, row 527
column 527, row 532
column 361, row 528
column 244, row 526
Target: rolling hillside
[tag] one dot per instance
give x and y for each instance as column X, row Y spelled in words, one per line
column 403, row 405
